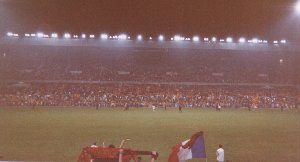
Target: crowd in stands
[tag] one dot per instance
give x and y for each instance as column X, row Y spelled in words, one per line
column 118, row 95
column 172, row 65
column 75, row 76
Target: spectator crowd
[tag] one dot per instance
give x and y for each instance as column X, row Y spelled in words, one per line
column 54, row 74
column 118, row 95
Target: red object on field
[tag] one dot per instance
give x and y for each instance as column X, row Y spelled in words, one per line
column 104, row 154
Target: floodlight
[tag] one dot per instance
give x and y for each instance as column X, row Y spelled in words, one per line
column 128, row 37
column 254, row 40
column 32, row 35
column 242, row 40
column 214, row 39
column 206, row 39
column 172, row 38
column 10, row 34
column 187, row 39
column 139, row 37
column 67, row 35
column 104, row 36
column 92, row 36
column 27, row 35
column 283, row 41
column 75, row 36
column 45, row 36
column 122, row 37
column 222, row 40
column 196, row 39
column 150, row 38
column 177, row 37
column 161, row 37
column 54, row 35
column 16, row 35
column 280, row 60
column 229, row 40
column 83, row 36
column 265, row 41
column 275, row 42
column 298, row 7
column 40, row 35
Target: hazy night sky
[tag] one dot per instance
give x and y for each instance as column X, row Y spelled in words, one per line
column 264, row 18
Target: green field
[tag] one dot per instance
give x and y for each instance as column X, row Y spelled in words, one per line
column 58, row 134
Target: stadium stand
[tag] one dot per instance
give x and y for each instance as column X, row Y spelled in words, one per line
column 47, row 75
column 114, row 95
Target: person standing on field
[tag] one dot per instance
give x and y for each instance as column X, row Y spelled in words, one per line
column 220, row 154
column 180, row 107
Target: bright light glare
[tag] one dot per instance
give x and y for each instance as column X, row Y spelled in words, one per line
column 196, row 39
column 178, row 38
column 27, row 35
column 206, row 39
column 281, row 61
column 161, row 38
column 214, row 39
column 67, row 35
column 122, row 37
column 254, row 40
column 54, row 35
column 242, row 40
column 104, row 36
column 40, row 35
column 83, row 36
column 10, row 34
column 139, row 37
column 92, row 36
column 298, row 7
column 283, row 41
column 229, row 40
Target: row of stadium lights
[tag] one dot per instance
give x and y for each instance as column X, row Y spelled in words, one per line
column 140, row 37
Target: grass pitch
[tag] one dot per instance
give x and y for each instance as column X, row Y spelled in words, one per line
column 59, row 134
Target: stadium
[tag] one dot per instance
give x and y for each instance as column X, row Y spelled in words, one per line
column 63, row 91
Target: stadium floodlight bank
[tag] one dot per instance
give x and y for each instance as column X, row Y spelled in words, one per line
column 139, row 37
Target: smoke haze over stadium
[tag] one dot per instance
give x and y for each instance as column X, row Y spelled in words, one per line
column 220, row 18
